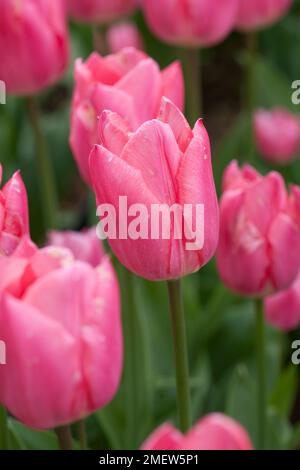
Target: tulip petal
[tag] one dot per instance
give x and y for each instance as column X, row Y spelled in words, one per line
column 283, row 309
column 86, row 302
column 113, row 132
column 171, row 115
column 143, row 84
column 196, row 186
column 147, row 257
column 113, row 99
column 154, row 151
column 285, row 251
column 16, row 206
column 100, row 70
column 242, row 252
column 102, row 337
column 216, row 432
column 37, row 349
column 83, row 136
column 268, row 193
column 125, row 60
column 173, row 84
column 84, row 245
column 166, row 437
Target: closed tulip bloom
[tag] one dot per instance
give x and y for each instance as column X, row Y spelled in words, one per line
column 129, row 83
column 257, row 14
column 260, row 222
column 34, row 47
column 84, row 245
column 214, row 432
column 277, row 135
column 282, row 310
column 60, row 321
column 163, row 162
column 100, row 11
column 13, row 214
column 124, row 35
column 191, row 22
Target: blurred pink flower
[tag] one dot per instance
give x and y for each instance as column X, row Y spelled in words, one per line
column 34, row 47
column 191, row 22
column 60, row 321
column 84, row 245
column 260, row 222
column 277, row 134
column 122, row 35
column 14, row 223
column 100, row 11
column 214, row 432
column 129, row 83
column 163, row 162
column 283, row 309
column 257, row 14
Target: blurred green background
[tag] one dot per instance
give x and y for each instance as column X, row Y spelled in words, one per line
column 220, row 325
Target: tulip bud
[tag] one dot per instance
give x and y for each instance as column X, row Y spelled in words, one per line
column 33, row 44
column 13, row 214
column 60, row 321
column 162, row 175
column 100, row 11
column 260, row 222
column 124, row 35
column 277, row 135
column 257, row 14
column 214, row 432
column 84, row 245
column 190, row 22
column 129, row 83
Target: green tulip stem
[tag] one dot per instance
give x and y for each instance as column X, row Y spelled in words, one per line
column 261, row 374
column 181, row 354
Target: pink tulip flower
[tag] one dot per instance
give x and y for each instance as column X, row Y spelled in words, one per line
column 129, row 83
column 191, row 22
column 260, row 222
column 14, row 223
column 257, row 14
column 60, row 321
column 122, row 35
column 277, row 135
column 84, row 245
column 100, row 11
column 34, row 46
column 163, row 162
column 214, row 432
column 283, row 309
